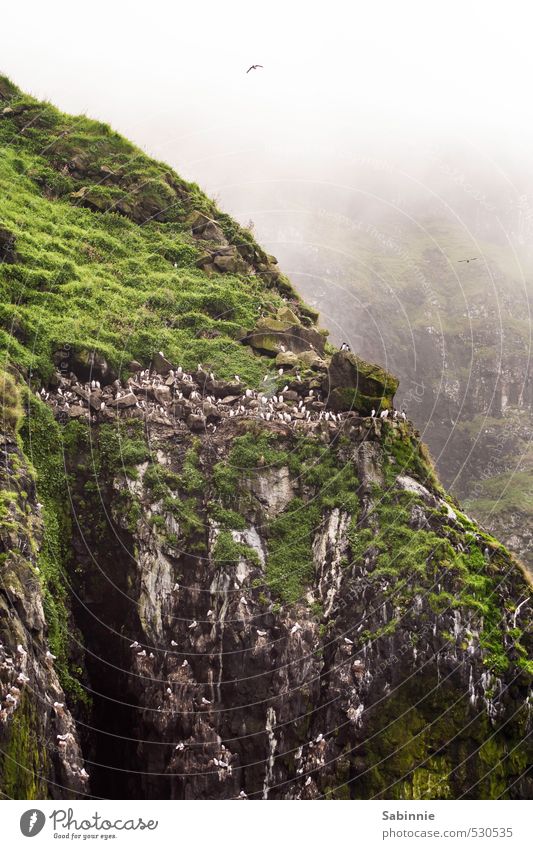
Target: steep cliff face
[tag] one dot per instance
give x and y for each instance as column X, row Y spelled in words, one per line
column 339, row 633
column 220, row 585
column 40, row 754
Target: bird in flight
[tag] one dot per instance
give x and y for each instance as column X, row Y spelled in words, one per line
column 472, row 258
column 253, row 68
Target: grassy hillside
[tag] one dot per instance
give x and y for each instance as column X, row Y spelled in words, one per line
column 104, row 257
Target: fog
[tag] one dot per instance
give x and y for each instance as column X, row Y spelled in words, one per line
column 362, row 110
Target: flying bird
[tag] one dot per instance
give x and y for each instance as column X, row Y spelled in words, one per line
column 472, row 258
column 253, row 68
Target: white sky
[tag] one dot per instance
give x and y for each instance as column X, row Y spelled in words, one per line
column 171, row 75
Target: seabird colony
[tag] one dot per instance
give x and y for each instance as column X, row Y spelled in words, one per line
column 194, row 400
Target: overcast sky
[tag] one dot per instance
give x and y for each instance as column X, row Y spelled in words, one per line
column 357, row 102
column 339, row 78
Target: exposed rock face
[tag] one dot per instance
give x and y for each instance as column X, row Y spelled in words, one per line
column 355, row 384
column 229, row 694
column 40, row 754
column 282, row 333
column 221, row 677
column 7, row 246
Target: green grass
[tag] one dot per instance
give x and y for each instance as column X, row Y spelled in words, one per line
column 91, row 275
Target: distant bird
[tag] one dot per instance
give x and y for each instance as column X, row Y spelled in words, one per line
column 253, row 68
column 471, row 259
column 345, row 347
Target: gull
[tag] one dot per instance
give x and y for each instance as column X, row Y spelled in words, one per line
column 193, row 624
column 21, row 649
column 348, row 641
column 173, row 643
column 209, row 612
column 308, row 781
column 253, row 68
column 373, row 413
column 50, row 656
column 141, row 653
column 169, row 691
column 180, row 747
column 62, row 736
column 384, row 414
column 175, row 588
column 205, row 701
column 58, row 705
column 296, row 628
column 185, row 663
column 84, row 773
column 471, row 259
column 135, row 645
column 280, row 371
column 242, row 795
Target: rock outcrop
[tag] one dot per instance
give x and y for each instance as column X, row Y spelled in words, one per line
column 354, row 384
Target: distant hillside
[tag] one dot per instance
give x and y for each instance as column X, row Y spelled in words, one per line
column 457, row 334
